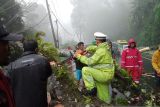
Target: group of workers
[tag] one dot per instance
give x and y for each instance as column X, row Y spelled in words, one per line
column 25, row 81
column 98, row 70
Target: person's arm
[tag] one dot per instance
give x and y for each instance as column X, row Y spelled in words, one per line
column 92, row 60
column 91, row 48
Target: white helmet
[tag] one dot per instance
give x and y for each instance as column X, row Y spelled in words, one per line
column 99, row 35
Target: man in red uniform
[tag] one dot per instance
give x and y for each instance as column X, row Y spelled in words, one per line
column 131, row 60
column 6, row 97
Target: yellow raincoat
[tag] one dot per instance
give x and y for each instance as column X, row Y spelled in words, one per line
column 156, row 61
column 100, row 70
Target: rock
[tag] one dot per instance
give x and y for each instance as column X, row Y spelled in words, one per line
column 87, row 105
column 119, row 97
column 69, row 99
column 75, row 100
column 148, row 103
column 127, row 93
column 143, row 90
column 57, row 83
column 118, row 94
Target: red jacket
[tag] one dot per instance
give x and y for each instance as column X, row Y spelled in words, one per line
column 6, row 89
column 131, row 60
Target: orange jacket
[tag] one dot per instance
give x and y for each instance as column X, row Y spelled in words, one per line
column 156, row 61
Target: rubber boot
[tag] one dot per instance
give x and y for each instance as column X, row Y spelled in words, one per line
column 103, row 92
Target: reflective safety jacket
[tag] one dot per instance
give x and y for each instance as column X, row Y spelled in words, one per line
column 101, row 59
column 100, row 71
column 131, row 60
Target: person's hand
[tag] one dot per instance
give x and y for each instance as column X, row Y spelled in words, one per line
column 85, row 52
column 75, row 55
column 78, row 52
column 59, row 98
column 53, row 63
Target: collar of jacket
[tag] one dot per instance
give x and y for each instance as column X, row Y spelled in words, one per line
column 28, row 53
column 103, row 45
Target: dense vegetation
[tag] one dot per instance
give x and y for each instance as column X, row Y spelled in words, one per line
column 11, row 15
column 144, row 25
column 145, row 21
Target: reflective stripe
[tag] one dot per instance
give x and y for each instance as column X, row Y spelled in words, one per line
column 122, row 62
column 29, row 60
column 103, row 66
column 130, row 57
column 132, row 66
column 140, row 61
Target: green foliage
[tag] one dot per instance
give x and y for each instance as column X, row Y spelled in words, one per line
column 48, row 50
column 61, row 72
column 45, row 48
column 145, row 21
column 123, row 73
column 11, row 15
column 121, row 102
column 87, row 100
column 157, row 13
column 15, row 51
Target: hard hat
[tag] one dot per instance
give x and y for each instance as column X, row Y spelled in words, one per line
column 99, row 35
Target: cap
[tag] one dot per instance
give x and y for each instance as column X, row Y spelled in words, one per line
column 100, row 35
column 5, row 36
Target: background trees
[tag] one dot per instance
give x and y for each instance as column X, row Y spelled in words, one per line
column 11, row 15
column 108, row 16
column 145, row 21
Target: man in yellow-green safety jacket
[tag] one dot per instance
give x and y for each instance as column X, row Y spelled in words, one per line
column 100, row 71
